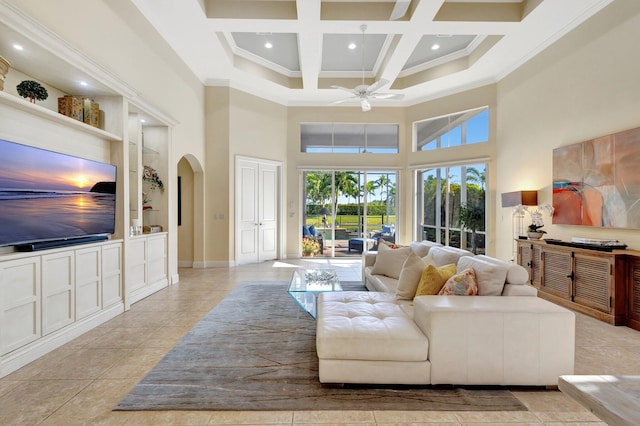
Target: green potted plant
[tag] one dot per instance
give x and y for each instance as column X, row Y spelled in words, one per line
column 535, row 232
column 471, row 218
column 32, row 90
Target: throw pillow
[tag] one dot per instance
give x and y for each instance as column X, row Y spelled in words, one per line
column 490, row 276
column 389, row 261
column 446, row 255
column 433, row 278
column 420, row 249
column 461, row 284
column 410, row 276
column 305, row 231
column 312, row 231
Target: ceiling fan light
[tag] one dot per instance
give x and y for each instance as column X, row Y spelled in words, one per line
column 365, row 105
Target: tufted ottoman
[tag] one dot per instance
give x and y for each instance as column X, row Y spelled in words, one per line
column 366, row 337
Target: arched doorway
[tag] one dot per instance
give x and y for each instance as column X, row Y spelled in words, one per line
column 190, row 213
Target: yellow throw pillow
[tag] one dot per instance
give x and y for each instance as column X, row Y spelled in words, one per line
column 433, row 279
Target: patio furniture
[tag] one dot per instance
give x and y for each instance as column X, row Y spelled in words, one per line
column 357, row 244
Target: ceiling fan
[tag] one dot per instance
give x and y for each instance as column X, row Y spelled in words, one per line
column 364, row 92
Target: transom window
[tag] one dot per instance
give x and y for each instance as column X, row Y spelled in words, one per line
column 349, row 138
column 461, row 128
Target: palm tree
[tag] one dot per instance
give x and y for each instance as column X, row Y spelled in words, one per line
column 471, row 218
column 479, row 177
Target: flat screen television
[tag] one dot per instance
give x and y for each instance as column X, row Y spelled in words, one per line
column 48, row 199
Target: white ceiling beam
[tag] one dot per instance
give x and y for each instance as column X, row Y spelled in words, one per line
column 309, row 42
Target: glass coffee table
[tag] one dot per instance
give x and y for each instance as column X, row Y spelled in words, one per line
column 307, row 283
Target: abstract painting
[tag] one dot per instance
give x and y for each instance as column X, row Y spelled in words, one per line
column 597, row 182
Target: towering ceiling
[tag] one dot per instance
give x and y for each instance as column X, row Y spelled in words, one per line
column 294, row 51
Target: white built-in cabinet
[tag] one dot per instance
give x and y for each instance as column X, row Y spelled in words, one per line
column 147, row 267
column 51, row 296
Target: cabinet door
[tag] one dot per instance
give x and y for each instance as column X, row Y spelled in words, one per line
column 58, row 273
column 136, row 264
column 536, row 265
column 525, row 256
column 20, row 302
column 88, row 281
column 593, row 281
column 157, row 259
column 633, row 310
column 111, row 274
column 556, row 273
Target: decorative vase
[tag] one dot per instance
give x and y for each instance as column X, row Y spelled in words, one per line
column 4, row 69
column 535, row 235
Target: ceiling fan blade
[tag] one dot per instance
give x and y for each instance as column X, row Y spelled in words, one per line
column 400, row 9
column 378, row 84
column 341, row 101
column 365, row 104
column 344, row 88
column 394, row 96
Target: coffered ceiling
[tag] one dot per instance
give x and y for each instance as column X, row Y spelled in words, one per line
column 293, row 51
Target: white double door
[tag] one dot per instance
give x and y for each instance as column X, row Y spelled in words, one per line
column 257, row 210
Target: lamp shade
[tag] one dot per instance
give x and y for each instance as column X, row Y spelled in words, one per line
column 324, row 211
column 525, row 198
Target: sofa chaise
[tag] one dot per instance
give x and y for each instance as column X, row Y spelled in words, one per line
column 495, row 338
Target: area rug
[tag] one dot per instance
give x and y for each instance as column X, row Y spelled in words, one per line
column 256, row 351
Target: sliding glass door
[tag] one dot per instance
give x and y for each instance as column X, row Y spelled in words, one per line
column 349, row 210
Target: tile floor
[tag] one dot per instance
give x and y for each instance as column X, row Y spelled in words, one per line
column 81, row 381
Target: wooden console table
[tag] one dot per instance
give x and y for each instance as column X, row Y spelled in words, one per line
column 614, row 399
column 601, row 284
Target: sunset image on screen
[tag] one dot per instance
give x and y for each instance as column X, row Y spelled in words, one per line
column 47, row 195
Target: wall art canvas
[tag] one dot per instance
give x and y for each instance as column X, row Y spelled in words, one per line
column 597, row 182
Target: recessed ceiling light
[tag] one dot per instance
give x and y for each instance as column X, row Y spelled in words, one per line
column 142, row 120
column 352, row 46
column 18, row 47
column 83, row 83
column 436, row 46
column 268, row 45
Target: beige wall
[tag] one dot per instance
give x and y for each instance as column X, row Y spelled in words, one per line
column 584, row 86
column 238, row 124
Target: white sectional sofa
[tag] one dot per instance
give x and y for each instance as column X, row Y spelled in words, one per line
column 495, row 338
column 370, row 337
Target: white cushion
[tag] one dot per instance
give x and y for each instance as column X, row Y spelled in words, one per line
column 410, row 276
column 446, row 255
column 516, row 274
column 361, row 325
column 389, row 261
column 421, row 248
column 490, row 275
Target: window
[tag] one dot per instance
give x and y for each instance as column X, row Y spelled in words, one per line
column 462, row 128
column 446, row 192
column 349, row 138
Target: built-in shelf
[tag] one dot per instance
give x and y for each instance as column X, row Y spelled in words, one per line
column 54, row 116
